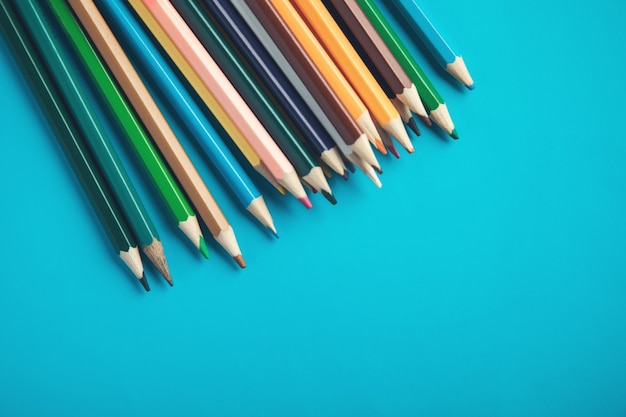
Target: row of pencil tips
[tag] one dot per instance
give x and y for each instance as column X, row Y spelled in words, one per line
column 287, row 88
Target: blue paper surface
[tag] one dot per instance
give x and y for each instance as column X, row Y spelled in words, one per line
column 486, row 277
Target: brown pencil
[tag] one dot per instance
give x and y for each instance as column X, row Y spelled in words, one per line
column 314, row 80
column 352, row 19
column 155, row 122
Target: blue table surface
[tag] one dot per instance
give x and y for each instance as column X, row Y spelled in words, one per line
column 486, row 278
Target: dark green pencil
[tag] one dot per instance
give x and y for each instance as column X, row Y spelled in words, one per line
column 167, row 187
column 259, row 102
column 68, row 80
column 68, row 136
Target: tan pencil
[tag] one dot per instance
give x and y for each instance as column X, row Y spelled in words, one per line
column 155, row 122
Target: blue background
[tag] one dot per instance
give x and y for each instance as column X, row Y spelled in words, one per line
column 486, row 277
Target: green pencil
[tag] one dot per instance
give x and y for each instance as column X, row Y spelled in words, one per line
column 285, row 137
column 68, row 136
column 166, row 185
column 68, row 79
column 438, row 111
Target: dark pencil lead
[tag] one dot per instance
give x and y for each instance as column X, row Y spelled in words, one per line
column 426, row 120
column 413, row 125
column 377, row 169
column 350, row 166
column 171, row 283
column 329, row 197
column 345, row 174
column 144, row 283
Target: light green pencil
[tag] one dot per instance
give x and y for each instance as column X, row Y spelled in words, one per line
column 151, row 160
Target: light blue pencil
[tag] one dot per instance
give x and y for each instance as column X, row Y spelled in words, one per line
column 164, row 81
column 436, row 44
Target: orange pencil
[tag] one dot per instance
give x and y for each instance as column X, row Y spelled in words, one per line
column 353, row 68
column 327, row 68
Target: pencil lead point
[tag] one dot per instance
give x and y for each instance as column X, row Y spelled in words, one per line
column 471, row 86
column 413, row 125
column 454, row 134
column 426, row 120
column 203, row 248
column 380, row 146
column 144, row 283
column 394, row 151
column 350, row 166
column 240, row 261
column 275, row 233
column 378, row 169
column 306, row 202
column 345, row 175
column 171, row 283
column 329, row 197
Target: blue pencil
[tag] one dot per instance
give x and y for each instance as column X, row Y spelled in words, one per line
column 164, row 81
column 436, row 44
column 271, row 76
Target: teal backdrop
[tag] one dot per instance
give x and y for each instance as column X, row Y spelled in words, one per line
column 486, row 278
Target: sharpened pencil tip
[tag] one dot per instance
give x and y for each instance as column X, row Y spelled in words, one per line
column 240, row 261
column 203, row 248
column 144, row 283
column 275, row 233
column 471, row 87
column 350, row 166
column 345, row 174
column 329, row 197
column 426, row 120
column 394, row 152
column 454, row 134
column 413, row 125
column 378, row 169
column 380, row 146
column 171, row 283
column 306, row 202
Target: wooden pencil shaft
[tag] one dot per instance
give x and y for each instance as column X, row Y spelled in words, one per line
column 181, row 104
column 318, row 54
column 307, row 70
column 347, row 59
column 66, row 131
column 248, row 87
column 171, row 195
column 227, row 96
column 69, row 82
column 262, row 64
column 150, row 114
column 427, row 91
column 371, row 43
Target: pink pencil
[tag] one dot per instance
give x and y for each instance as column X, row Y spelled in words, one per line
column 227, row 96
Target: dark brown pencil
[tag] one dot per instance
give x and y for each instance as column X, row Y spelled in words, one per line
column 314, row 80
column 352, row 19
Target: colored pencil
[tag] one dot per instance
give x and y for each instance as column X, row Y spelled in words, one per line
column 207, row 97
column 327, row 67
column 406, row 115
column 226, row 95
column 169, row 191
column 69, row 83
column 225, row 57
column 174, row 94
column 436, row 44
column 438, row 111
column 364, row 34
column 301, row 71
column 153, row 119
column 68, row 136
column 347, row 59
column 288, row 100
